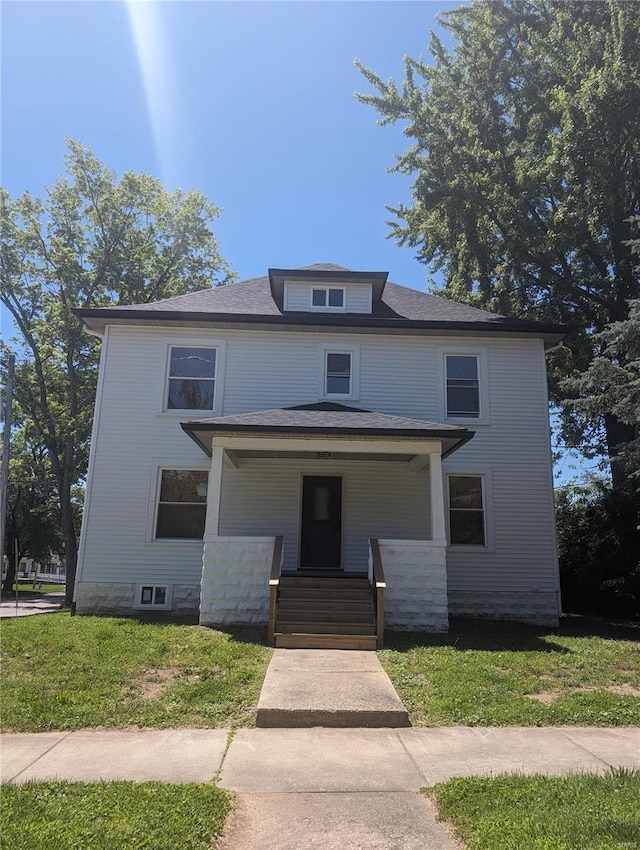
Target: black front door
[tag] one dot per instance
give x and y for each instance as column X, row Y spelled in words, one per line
column 321, row 522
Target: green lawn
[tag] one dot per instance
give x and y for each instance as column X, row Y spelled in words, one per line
column 578, row 812
column 26, row 590
column 108, row 815
column 496, row 674
column 63, row 672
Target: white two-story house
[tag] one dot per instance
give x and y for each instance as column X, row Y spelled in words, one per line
column 281, row 445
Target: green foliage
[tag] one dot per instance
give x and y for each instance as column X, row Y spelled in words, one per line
column 579, row 812
column 93, row 240
column 599, row 573
column 105, row 815
column 525, row 158
column 503, row 674
column 611, row 386
column 63, row 673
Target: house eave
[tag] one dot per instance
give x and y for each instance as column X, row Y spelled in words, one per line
column 317, row 438
column 95, row 319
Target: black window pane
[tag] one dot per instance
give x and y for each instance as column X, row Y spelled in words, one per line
column 463, row 401
column 193, row 363
column 183, row 485
column 459, row 366
column 319, row 297
column 190, row 395
column 161, row 595
column 338, row 385
column 467, row 528
column 338, row 364
column 181, row 521
column 336, row 297
column 465, row 491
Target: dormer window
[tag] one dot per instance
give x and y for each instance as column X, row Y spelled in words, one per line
column 327, row 298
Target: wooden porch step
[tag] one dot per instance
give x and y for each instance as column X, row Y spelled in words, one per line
column 324, row 641
column 341, row 586
column 289, row 603
column 324, row 628
column 325, row 593
column 320, row 615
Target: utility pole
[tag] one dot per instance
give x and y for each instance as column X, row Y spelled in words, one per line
column 6, row 446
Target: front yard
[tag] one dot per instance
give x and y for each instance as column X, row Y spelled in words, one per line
column 69, row 673
column 499, row 674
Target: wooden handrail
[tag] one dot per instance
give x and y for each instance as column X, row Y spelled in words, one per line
column 378, row 585
column 274, row 583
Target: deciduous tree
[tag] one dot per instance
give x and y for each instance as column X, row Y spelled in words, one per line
column 93, row 239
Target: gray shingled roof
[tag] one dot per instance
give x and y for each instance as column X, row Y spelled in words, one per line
column 326, row 419
column 253, row 297
column 251, row 303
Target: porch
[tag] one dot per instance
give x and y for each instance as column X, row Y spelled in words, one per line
column 326, row 522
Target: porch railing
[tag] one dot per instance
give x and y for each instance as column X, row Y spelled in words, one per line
column 274, row 585
column 378, row 585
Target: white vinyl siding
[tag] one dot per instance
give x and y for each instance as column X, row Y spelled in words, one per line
column 269, row 369
column 379, row 499
column 298, row 297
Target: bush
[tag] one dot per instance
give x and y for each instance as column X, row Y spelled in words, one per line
column 599, row 571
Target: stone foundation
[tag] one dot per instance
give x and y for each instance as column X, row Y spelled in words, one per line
column 235, row 580
column 536, row 608
column 416, row 576
column 119, row 599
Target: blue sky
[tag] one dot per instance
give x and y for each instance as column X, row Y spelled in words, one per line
column 250, row 102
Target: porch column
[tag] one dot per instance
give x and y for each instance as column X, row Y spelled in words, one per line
column 214, row 491
column 438, row 527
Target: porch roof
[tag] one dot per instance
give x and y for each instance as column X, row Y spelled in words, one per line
column 331, row 420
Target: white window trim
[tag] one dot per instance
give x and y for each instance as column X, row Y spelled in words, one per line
column 166, row 606
column 159, row 464
column 218, row 390
column 485, row 473
column 327, row 309
column 480, row 353
column 354, row 351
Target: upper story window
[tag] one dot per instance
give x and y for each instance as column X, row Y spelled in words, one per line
column 182, row 504
column 328, row 298
column 467, row 526
column 192, row 378
column 338, row 373
column 462, row 385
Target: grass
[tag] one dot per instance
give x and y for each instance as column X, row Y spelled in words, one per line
column 61, row 672
column 496, row 674
column 41, row 587
column 577, row 812
column 106, row 815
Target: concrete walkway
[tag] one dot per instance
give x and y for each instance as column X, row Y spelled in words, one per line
column 43, row 603
column 301, row 789
column 328, row 687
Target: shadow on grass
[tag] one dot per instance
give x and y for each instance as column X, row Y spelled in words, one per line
column 238, row 634
column 495, row 636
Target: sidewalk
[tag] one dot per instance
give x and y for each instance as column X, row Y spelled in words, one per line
column 314, row 760
column 43, row 603
column 309, row 789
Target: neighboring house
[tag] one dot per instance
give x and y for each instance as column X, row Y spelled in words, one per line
column 364, row 423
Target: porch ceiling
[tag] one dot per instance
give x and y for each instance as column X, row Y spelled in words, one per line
column 326, row 427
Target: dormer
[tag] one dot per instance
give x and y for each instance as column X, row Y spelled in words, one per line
column 332, row 290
